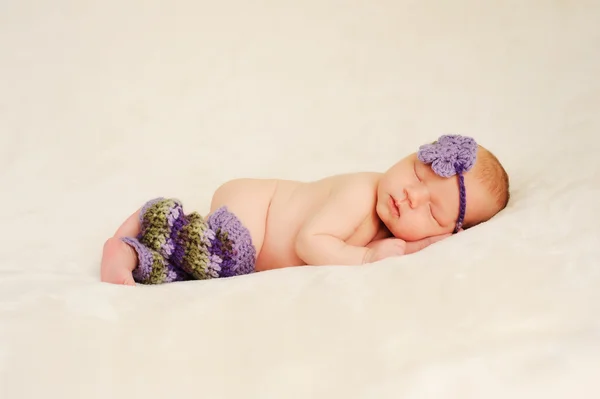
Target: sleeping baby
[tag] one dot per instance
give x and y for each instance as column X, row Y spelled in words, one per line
column 352, row 219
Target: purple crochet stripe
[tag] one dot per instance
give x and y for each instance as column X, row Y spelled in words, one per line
column 243, row 254
column 167, row 248
column 178, row 236
column 177, row 225
column 227, row 262
column 214, row 266
column 146, row 258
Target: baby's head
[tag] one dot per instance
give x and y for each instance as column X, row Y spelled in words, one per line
column 420, row 196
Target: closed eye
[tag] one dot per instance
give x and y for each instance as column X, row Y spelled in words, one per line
column 431, row 213
column 415, row 170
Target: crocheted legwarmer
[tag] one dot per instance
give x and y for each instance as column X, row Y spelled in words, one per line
column 152, row 267
column 191, row 247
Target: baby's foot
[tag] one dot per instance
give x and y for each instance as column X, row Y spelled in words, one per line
column 118, row 262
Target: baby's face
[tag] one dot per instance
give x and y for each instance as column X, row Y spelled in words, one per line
column 415, row 203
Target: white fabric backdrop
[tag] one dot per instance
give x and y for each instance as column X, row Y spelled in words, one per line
column 104, row 105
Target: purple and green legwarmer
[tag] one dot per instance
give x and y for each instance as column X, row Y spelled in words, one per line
column 173, row 246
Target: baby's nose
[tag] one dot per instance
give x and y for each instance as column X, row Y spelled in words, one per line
column 417, row 195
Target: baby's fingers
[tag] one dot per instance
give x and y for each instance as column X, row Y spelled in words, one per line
column 416, row 246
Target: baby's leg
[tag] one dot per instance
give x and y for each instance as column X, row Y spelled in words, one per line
column 118, row 262
column 131, row 227
column 125, row 260
column 119, row 259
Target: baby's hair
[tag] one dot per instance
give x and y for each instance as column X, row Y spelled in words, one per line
column 490, row 172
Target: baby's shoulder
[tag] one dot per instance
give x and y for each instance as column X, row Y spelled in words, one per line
column 360, row 182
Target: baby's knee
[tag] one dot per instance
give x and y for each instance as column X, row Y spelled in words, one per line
column 223, row 193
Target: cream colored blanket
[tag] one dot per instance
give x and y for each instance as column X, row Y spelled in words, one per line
column 106, row 104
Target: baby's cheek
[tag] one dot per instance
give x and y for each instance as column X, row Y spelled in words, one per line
column 408, row 229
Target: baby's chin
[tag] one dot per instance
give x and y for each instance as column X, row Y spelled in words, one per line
column 402, row 234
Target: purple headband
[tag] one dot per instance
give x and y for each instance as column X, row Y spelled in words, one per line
column 451, row 155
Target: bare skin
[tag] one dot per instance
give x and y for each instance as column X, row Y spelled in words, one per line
column 349, row 219
column 119, row 259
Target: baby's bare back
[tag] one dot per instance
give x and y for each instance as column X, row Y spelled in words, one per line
column 274, row 211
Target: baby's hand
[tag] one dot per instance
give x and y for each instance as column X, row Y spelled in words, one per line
column 388, row 247
column 384, row 248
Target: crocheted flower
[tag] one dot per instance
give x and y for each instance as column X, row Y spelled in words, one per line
column 449, row 155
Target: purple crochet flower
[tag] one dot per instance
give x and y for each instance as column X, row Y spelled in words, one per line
column 451, row 155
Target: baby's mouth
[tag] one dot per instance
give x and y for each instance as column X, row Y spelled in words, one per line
column 394, row 206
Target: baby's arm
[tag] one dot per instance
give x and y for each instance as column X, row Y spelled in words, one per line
column 321, row 240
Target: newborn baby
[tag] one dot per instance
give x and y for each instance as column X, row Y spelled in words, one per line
column 353, row 219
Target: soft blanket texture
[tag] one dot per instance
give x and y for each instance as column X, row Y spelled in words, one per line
column 104, row 105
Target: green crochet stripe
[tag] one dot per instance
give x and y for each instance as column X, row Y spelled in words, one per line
column 155, row 224
column 158, row 274
column 226, row 244
column 196, row 258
